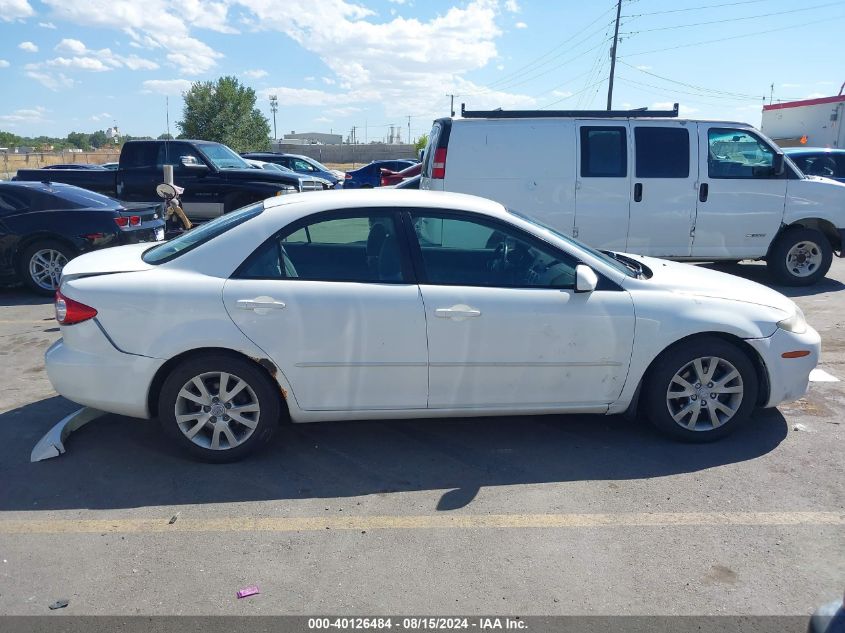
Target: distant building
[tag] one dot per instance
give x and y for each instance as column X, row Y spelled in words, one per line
column 313, row 138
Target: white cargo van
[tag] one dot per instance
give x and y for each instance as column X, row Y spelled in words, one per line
column 646, row 182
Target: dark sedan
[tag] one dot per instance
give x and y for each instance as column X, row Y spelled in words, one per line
column 43, row 225
column 299, row 164
column 819, row 161
column 369, row 176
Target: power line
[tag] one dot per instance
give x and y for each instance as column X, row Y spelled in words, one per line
column 600, row 81
column 736, row 37
column 749, row 17
column 613, row 56
column 663, row 92
column 726, row 93
column 706, row 6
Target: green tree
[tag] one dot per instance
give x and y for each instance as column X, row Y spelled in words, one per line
column 421, row 143
column 7, row 139
column 165, row 137
column 78, row 140
column 98, row 139
column 224, row 111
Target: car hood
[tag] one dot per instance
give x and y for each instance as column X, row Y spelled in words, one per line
column 118, row 259
column 698, row 281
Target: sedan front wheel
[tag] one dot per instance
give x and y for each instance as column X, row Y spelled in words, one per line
column 701, row 390
column 218, row 407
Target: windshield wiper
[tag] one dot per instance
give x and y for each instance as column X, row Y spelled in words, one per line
column 631, row 264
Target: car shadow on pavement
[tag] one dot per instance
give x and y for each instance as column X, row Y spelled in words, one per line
column 17, row 296
column 118, row 462
column 756, row 271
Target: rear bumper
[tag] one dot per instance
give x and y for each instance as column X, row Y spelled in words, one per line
column 94, row 373
column 789, row 378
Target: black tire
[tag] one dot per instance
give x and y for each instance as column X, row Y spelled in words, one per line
column 810, row 241
column 657, row 403
column 259, row 387
column 31, row 252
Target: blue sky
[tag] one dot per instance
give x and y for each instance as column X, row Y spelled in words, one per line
column 83, row 65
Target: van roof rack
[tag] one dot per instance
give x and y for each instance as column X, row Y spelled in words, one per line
column 592, row 114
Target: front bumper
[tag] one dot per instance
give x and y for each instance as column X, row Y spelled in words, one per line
column 841, row 251
column 789, row 378
column 87, row 369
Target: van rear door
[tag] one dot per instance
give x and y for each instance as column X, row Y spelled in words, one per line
column 603, row 183
column 663, row 195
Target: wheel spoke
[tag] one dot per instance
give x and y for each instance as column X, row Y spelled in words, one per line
column 721, row 406
column 230, row 437
column 688, row 388
column 228, row 395
column 694, row 418
column 190, row 433
column 193, row 397
column 699, row 370
column 200, row 385
column 714, row 419
column 683, row 411
column 237, row 417
column 215, row 437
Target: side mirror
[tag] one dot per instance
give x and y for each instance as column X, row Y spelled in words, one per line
column 192, row 163
column 586, row 279
column 778, row 166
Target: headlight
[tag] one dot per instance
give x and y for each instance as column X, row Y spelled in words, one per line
column 796, row 323
column 286, row 190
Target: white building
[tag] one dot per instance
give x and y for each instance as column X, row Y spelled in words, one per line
column 810, row 123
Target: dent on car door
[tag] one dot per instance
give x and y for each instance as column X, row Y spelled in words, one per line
column 332, row 301
column 506, row 328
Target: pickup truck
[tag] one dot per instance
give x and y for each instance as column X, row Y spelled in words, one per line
column 216, row 180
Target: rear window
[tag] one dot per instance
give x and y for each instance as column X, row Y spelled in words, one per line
column 428, row 155
column 59, row 197
column 188, row 241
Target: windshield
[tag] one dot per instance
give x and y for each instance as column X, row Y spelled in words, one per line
column 608, row 259
column 187, row 241
column 316, row 164
column 222, row 157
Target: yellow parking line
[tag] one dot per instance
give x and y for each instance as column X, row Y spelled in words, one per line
column 444, row 521
column 19, row 321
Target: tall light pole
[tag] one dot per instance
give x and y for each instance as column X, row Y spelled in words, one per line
column 274, row 107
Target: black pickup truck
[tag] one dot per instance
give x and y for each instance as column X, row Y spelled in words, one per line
column 216, row 180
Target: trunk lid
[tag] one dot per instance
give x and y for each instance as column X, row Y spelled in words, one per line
column 118, row 259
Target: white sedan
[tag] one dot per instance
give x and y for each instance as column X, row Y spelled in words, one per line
column 410, row 304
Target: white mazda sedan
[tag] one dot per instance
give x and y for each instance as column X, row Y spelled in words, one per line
column 411, row 304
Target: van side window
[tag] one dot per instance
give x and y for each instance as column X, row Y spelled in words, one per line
column 604, row 152
column 738, row 154
column 662, row 152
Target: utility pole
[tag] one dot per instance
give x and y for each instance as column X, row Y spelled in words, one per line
column 274, row 106
column 772, row 94
column 452, row 106
column 613, row 56
column 409, row 128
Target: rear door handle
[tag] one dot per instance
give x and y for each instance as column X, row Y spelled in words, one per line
column 703, row 190
column 638, row 192
column 457, row 313
column 261, row 303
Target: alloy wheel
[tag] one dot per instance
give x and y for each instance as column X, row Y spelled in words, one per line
column 705, row 394
column 45, row 268
column 217, row 410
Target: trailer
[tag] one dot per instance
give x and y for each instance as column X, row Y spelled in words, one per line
column 806, row 123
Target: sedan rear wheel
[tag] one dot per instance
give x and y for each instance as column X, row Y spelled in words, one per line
column 701, row 390
column 219, row 407
column 42, row 264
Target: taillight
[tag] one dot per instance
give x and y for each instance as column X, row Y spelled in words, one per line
column 438, row 165
column 348, row 176
column 123, row 221
column 69, row 311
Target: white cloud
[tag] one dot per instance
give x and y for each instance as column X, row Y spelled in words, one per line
column 521, row 25
column 55, row 82
column 562, row 94
column 668, row 105
column 500, row 67
column 400, row 63
column 15, row 10
column 67, row 45
column 172, row 87
column 255, row 74
column 4, row 63
column 156, row 24
column 643, row 67
column 47, row 25
column 83, row 58
column 322, row 119
column 103, row 116
column 29, row 47
column 26, row 115
column 512, row 6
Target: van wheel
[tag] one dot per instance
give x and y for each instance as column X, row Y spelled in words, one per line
column 219, row 408
column 701, row 390
column 800, row 257
column 41, row 266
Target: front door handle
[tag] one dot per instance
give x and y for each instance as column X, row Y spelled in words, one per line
column 457, row 313
column 638, row 192
column 261, row 304
column 703, row 190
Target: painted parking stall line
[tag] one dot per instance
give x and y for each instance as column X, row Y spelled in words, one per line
column 420, row 522
column 820, row 375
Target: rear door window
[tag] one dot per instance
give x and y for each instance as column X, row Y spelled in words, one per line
column 604, row 152
column 662, row 152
